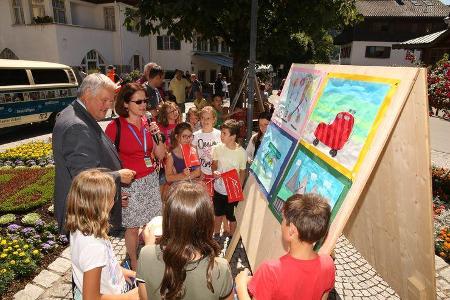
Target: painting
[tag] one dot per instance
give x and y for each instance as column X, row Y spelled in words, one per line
column 271, row 158
column 297, row 99
column 345, row 118
column 307, row 173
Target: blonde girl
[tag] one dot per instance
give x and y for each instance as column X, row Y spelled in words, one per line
column 95, row 269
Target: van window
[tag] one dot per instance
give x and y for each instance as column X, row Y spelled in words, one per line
column 45, row 76
column 13, row 77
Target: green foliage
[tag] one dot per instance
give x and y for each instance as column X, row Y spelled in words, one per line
column 5, row 177
column 6, row 219
column 32, row 195
column 288, row 31
column 6, row 277
column 132, row 76
column 31, row 218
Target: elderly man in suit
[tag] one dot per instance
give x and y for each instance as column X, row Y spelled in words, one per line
column 79, row 143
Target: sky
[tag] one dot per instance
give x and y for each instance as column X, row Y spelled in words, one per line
column 446, row 1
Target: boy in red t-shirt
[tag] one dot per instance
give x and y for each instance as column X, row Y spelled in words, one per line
column 301, row 273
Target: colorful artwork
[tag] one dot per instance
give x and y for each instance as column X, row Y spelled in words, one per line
column 307, row 173
column 345, row 119
column 297, row 100
column 271, row 158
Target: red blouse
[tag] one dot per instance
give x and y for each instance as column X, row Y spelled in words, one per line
column 131, row 152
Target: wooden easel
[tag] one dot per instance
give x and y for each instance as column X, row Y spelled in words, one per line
column 243, row 84
column 387, row 213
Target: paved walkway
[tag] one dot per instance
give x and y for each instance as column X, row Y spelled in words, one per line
column 355, row 278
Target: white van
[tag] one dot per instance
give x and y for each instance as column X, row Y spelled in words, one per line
column 34, row 91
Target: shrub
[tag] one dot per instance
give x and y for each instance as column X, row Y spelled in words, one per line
column 6, row 219
column 439, row 84
column 6, row 277
column 31, row 218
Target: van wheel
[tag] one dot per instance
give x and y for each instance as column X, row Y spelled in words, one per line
column 316, row 142
column 52, row 119
column 333, row 152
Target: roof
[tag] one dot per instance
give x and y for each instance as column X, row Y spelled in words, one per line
column 425, row 41
column 217, row 59
column 402, row 8
column 29, row 64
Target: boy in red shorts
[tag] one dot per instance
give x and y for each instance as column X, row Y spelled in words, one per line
column 301, row 273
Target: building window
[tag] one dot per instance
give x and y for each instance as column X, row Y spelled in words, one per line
column 59, row 11
column 37, row 8
column 346, row 51
column 166, row 42
column 224, row 47
column 201, row 44
column 8, row 54
column 212, row 77
column 201, row 75
column 136, row 62
column 18, row 12
column 110, row 20
column 378, row 52
column 214, row 45
column 93, row 62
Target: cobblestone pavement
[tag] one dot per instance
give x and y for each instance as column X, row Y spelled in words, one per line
column 355, row 278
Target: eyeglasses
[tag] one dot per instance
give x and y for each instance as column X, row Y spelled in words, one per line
column 140, row 101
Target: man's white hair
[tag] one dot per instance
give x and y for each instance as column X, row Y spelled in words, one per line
column 148, row 67
column 94, row 82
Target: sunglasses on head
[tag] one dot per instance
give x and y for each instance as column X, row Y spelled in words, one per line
column 140, row 101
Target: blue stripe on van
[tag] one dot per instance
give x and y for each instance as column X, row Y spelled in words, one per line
column 17, row 109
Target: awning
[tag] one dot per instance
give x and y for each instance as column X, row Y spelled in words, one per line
column 426, row 41
column 216, row 59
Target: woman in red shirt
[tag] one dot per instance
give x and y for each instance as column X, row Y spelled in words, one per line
column 137, row 151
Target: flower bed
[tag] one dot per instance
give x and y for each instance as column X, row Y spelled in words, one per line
column 30, row 154
column 25, row 188
column 441, row 207
column 28, row 243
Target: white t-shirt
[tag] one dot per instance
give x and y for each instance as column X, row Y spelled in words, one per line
column 228, row 159
column 89, row 252
column 204, row 142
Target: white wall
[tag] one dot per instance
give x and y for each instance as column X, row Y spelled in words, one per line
column 83, row 14
column 200, row 64
column 171, row 59
column 357, row 56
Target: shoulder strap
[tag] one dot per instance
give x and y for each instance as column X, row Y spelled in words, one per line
column 117, row 139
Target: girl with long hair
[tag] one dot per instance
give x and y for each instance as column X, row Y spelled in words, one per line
column 185, row 264
column 255, row 141
column 175, row 168
column 95, row 269
column 168, row 117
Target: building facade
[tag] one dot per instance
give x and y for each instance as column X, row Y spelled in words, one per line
column 387, row 22
column 71, row 32
column 90, row 34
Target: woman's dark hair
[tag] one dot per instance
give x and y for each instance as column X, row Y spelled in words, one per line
column 266, row 116
column 124, row 96
column 177, row 131
column 188, row 226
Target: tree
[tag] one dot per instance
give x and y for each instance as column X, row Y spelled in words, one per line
column 288, row 30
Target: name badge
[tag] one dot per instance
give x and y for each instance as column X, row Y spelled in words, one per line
column 148, row 162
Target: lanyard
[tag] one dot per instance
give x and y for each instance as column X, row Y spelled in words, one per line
column 137, row 138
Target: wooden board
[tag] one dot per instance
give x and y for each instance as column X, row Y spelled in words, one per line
column 393, row 229
column 387, row 249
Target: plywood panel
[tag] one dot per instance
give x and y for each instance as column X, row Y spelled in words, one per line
column 395, row 210
column 395, row 215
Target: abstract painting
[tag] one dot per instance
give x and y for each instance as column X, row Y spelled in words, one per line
column 271, row 158
column 345, row 118
column 297, row 99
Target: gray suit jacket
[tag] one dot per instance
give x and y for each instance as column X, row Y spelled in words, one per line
column 79, row 143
